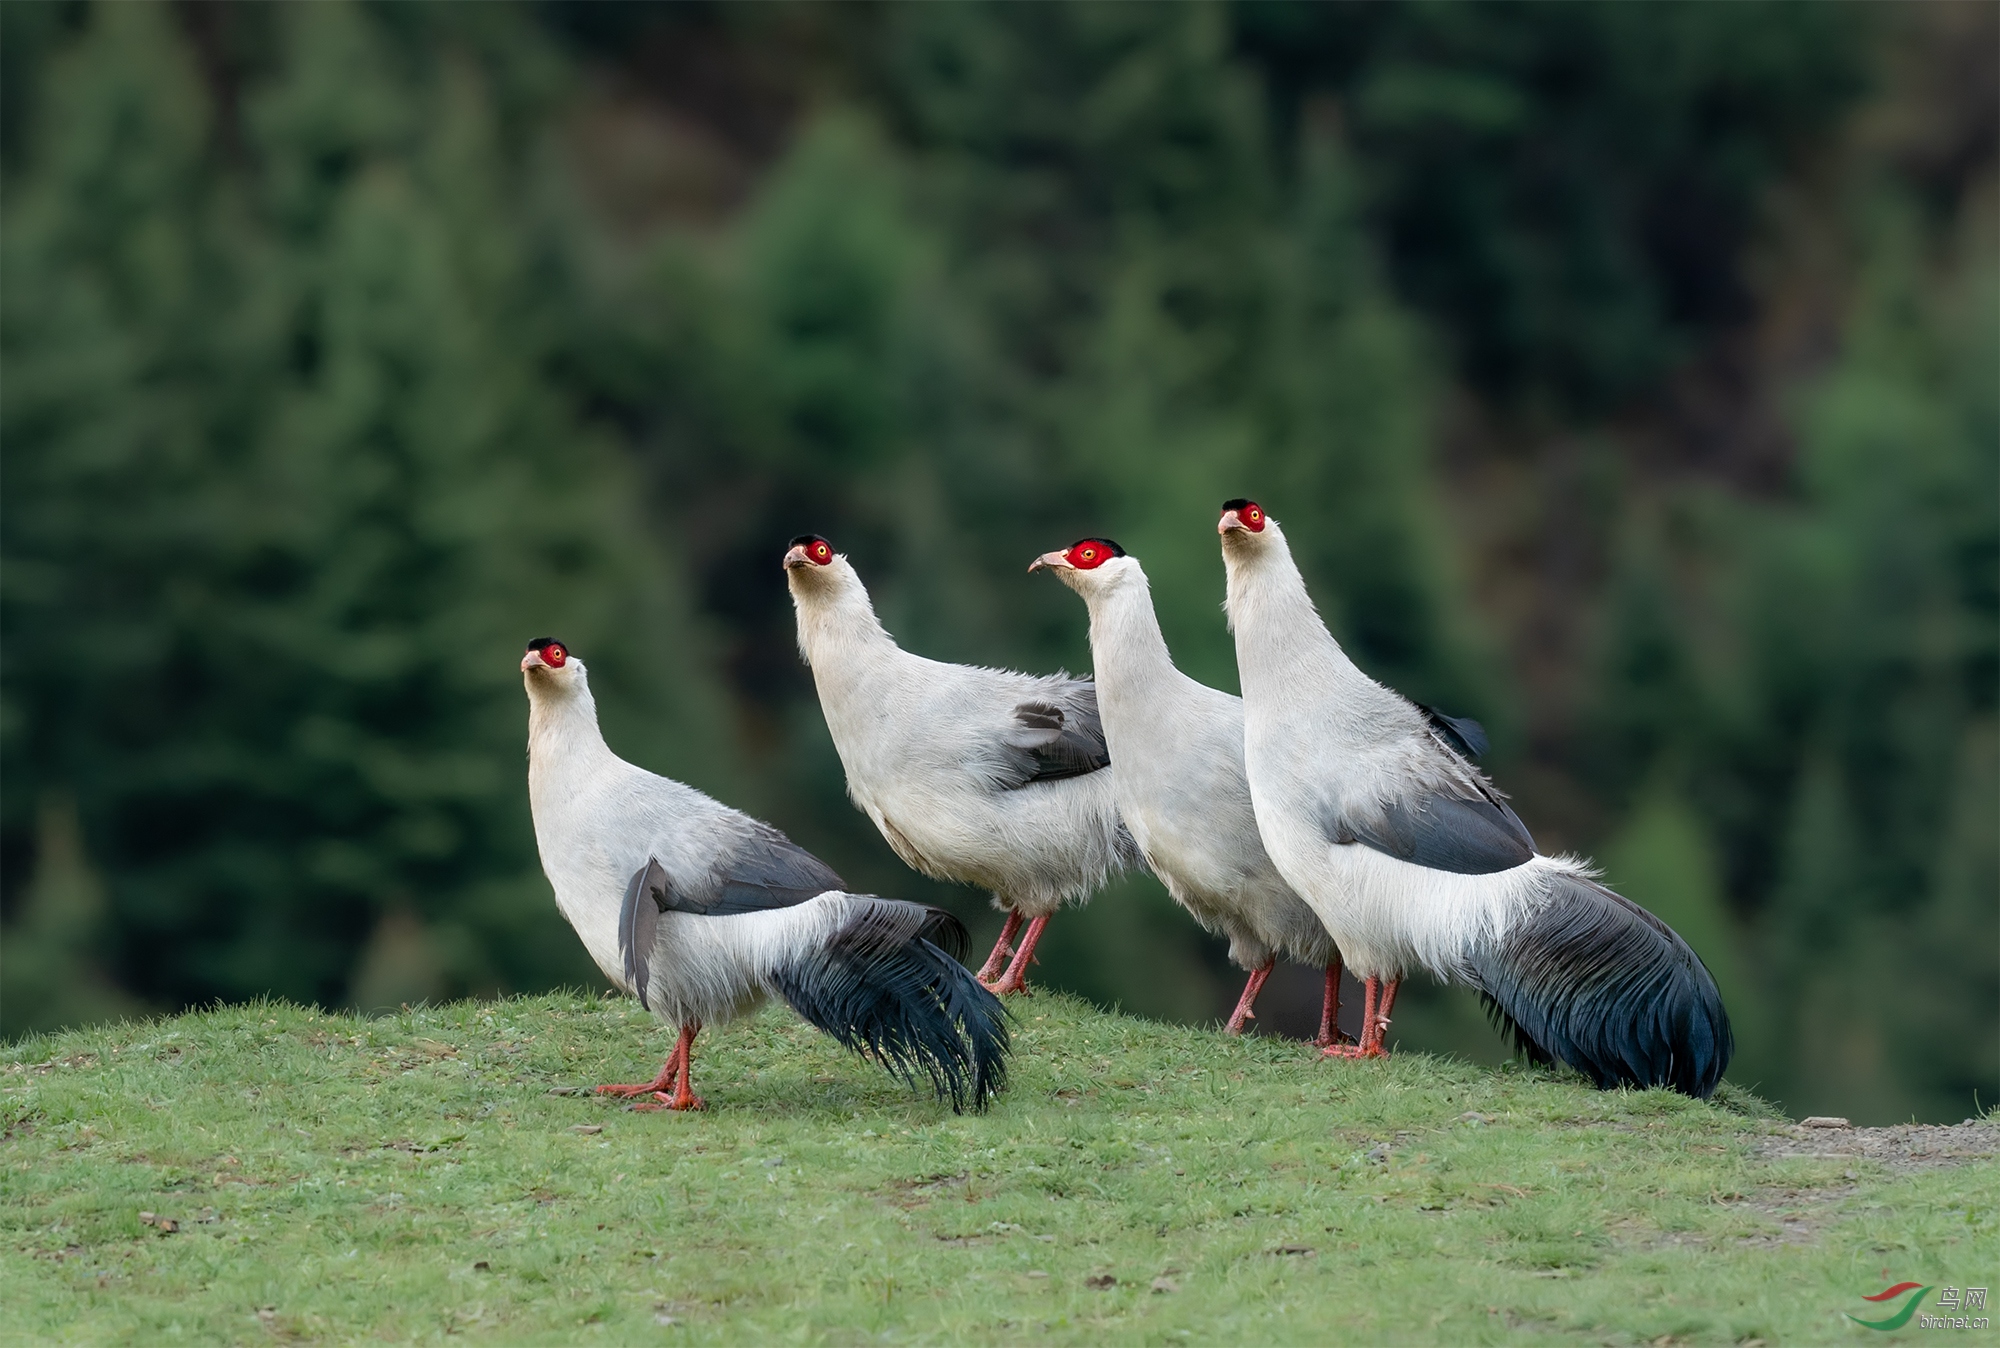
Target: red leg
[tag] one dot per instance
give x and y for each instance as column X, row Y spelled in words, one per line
column 996, row 963
column 1382, row 1015
column 1329, row 1011
column 1371, row 1022
column 1016, row 977
column 663, row 1082
column 1243, row 1012
column 683, row 1096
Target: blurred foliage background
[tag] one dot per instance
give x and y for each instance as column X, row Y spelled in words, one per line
column 1627, row 375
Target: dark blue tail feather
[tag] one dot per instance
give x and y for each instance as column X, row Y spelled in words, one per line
column 1595, row 981
column 886, row 987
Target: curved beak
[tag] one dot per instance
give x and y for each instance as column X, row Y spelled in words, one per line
column 1229, row 523
column 1050, row 561
column 797, row 557
column 531, row 660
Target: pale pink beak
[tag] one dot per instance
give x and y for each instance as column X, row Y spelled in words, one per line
column 532, row 660
column 1051, row 560
column 797, row 557
column 1228, row 522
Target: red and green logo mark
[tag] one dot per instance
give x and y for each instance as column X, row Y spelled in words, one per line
column 1902, row 1317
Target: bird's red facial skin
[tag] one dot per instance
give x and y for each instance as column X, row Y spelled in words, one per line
column 808, row 550
column 1088, row 555
column 554, row 656
column 1252, row 517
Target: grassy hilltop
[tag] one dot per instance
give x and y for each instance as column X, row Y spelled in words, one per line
column 428, row 1174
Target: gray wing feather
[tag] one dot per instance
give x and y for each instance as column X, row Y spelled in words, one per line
column 1446, row 832
column 1462, row 734
column 770, row 871
column 637, row 923
column 761, row 871
column 765, row 870
column 1060, row 736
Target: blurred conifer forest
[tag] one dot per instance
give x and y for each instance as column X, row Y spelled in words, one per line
column 1626, row 373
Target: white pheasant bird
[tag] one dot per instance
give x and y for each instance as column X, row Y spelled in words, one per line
column 1413, row 860
column 978, row 776
column 1181, row 788
column 702, row 913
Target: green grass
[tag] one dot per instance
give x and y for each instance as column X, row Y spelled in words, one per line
column 414, row 1177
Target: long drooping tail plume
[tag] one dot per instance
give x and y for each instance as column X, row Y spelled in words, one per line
column 889, row 985
column 1593, row 980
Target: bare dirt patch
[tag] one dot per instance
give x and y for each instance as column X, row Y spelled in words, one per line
column 1900, row 1147
column 1801, row 1213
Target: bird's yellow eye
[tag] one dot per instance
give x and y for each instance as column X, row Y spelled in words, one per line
column 1089, row 554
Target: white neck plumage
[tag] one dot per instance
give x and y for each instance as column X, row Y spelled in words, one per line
column 1280, row 636
column 1127, row 649
column 837, row 623
column 563, row 735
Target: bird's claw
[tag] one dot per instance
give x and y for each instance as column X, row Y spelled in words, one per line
column 1354, row 1051
column 643, row 1088
column 1015, row 979
column 661, row 1100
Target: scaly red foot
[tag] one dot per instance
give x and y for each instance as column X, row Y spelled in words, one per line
column 996, row 963
column 1376, row 1003
column 1244, row 1013
column 1354, row 1051
column 1016, row 977
column 677, row 1076
column 1330, row 1035
column 663, row 1082
column 679, row 1100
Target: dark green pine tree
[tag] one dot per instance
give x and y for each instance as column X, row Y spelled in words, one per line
column 1884, row 910
column 1797, row 703
column 289, row 485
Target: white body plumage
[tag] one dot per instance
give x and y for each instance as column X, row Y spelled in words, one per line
column 702, row 913
column 1322, row 741
column 1412, row 859
column 597, row 821
column 1181, row 788
column 934, row 756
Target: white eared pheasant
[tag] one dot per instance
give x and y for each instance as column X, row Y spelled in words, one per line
column 1181, row 788
column 979, row 776
column 1412, row 860
column 702, row 912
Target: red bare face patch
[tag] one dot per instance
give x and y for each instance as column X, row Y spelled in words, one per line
column 1248, row 512
column 1091, row 553
column 553, row 653
column 818, row 551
